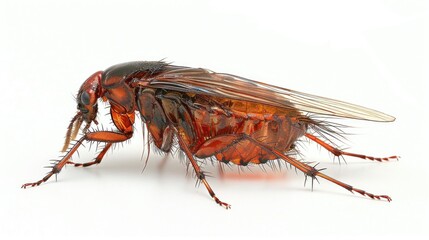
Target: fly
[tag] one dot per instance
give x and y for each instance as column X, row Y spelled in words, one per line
column 222, row 116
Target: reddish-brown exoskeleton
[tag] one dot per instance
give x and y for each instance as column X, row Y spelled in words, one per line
column 227, row 117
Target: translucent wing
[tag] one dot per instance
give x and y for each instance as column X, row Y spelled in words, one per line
column 203, row 81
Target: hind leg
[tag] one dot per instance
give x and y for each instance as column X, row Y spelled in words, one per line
column 337, row 152
column 313, row 173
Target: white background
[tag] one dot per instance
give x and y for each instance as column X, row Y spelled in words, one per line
column 373, row 53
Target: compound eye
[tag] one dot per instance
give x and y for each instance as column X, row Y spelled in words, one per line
column 85, row 98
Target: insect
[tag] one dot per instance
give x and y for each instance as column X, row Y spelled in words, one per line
column 207, row 114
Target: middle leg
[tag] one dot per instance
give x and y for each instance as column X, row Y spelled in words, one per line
column 200, row 174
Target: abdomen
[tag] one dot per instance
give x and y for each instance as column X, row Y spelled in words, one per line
column 228, row 129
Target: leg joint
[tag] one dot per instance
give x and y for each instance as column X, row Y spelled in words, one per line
column 312, row 172
column 55, row 169
column 200, row 175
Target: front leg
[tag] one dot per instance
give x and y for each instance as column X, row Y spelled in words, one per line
column 101, row 136
column 97, row 159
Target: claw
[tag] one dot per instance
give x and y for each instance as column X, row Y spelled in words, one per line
column 222, row 204
column 30, row 184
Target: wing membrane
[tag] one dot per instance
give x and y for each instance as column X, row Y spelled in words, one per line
column 203, row 81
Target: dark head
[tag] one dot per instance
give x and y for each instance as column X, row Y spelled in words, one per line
column 87, row 106
column 87, row 97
